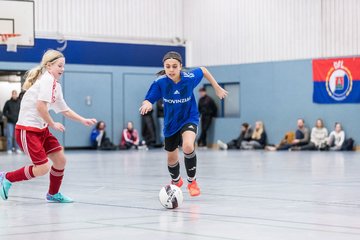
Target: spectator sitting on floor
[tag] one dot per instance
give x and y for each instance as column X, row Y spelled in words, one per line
column 97, row 134
column 302, row 137
column 336, row 138
column 245, row 135
column 129, row 137
column 98, row 137
column 288, row 138
column 318, row 139
column 258, row 138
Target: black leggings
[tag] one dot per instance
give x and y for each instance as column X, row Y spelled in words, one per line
column 308, row 147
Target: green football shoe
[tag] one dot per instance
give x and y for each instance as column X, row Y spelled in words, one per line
column 58, row 198
column 4, row 186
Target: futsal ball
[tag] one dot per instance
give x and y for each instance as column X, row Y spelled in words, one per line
column 171, row 196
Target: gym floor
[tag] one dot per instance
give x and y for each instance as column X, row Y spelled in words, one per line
column 245, row 195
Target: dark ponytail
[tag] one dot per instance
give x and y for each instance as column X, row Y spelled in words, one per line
column 160, row 73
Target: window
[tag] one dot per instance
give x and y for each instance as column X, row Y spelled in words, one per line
column 230, row 106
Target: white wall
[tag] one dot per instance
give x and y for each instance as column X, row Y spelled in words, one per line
column 243, row 31
column 218, row 31
column 151, row 21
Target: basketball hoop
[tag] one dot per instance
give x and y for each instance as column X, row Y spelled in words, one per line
column 10, row 39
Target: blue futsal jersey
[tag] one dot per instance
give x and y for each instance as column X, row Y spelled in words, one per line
column 179, row 101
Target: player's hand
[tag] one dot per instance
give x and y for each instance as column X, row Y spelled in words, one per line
column 89, row 121
column 57, row 126
column 145, row 107
column 221, row 93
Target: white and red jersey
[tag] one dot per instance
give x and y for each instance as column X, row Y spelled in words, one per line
column 46, row 89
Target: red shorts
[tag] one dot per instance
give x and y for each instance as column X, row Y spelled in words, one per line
column 37, row 145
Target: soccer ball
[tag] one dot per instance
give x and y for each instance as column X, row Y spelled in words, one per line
column 171, row 196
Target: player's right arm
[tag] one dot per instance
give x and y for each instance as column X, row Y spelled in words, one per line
column 152, row 96
column 43, row 111
column 146, row 107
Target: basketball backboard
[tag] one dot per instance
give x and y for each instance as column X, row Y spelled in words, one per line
column 17, row 17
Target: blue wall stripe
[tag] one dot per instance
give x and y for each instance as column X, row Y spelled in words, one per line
column 94, row 53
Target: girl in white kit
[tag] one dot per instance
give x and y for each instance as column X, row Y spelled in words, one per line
column 32, row 129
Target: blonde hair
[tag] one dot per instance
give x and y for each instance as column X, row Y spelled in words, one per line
column 257, row 132
column 49, row 57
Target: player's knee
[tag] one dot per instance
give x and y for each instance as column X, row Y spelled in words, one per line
column 172, row 158
column 62, row 161
column 60, row 164
column 41, row 170
column 188, row 147
column 58, row 159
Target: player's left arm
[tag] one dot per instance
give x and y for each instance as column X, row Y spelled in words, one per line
column 76, row 117
column 220, row 92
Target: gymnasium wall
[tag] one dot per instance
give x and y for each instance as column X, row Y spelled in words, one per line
column 134, row 21
column 92, row 52
column 275, row 92
column 107, row 81
column 215, row 32
column 274, row 32
column 242, row 31
column 278, row 93
column 109, row 93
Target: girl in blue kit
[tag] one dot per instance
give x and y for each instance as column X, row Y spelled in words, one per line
column 181, row 116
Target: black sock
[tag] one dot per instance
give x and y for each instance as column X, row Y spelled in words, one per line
column 174, row 171
column 190, row 165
